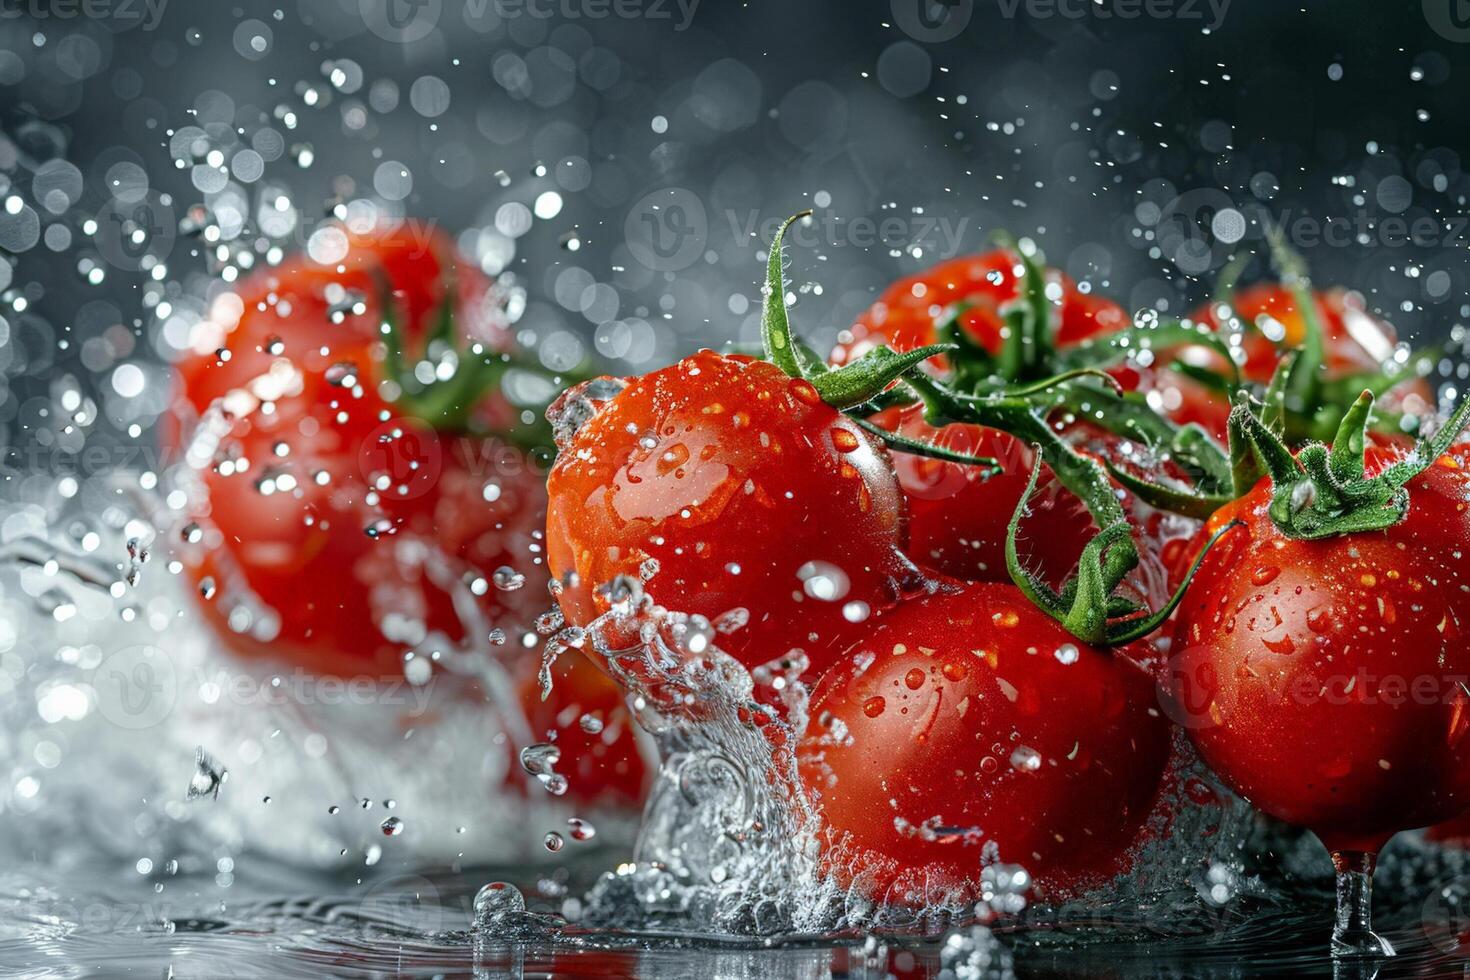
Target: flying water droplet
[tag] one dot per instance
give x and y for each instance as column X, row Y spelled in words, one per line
column 209, row 776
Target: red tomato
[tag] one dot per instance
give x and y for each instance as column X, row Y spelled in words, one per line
column 969, row 726
column 337, row 532
column 1324, row 680
column 756, row 500
column 958, row 515
column 587, row 719
column 1353, row 341
column 334, row 529
column 904, row 316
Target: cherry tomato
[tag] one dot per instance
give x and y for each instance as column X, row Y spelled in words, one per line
column 1455, row 831
column 330, row 529
column 904, row 316
column 1353, row 341
column 751, row 501
column 1325, row 680
column 958, row 514
column 968, row 726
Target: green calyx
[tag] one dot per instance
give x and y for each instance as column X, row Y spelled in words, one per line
column 444, row 381
column 1017, row 392
column 859, row 384
column 1321, row 492
column 1085, row 605
column 1322, row 489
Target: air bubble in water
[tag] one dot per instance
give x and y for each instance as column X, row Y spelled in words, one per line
column 581, row 829
column 392, row 827
column 554, row 842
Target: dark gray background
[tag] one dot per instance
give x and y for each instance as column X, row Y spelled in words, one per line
column 1112, row 141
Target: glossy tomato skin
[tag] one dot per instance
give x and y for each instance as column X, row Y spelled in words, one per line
column 958, row 514
column 967, row 721
column 749, row 493
column 903, row 317
column 318, row 501
column 1323, row 679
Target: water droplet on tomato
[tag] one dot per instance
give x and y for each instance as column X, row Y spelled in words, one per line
column 954, row 671
column 1264, row 574
column 914, row 678
column 873, row 707
column 845, row 441
column 1067, row 653
column 1025, row 759
column 804, row 391
column 823, row 580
